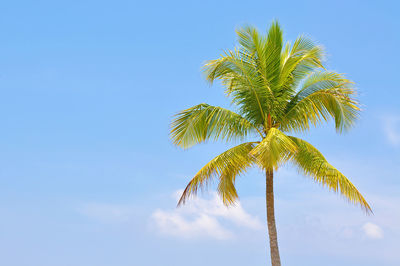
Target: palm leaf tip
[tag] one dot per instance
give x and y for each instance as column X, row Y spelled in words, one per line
column 312, row 163
column 227, row 166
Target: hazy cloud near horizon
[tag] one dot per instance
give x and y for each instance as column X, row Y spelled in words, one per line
column 201, row 218
column 331, row 226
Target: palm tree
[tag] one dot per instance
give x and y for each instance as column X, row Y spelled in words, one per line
column 277, row 89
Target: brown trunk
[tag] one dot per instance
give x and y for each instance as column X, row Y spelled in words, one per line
column 273, row 239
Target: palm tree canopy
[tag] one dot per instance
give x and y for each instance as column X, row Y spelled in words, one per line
column 277, row 89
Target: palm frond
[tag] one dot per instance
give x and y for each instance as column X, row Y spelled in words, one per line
column 298, row 61
column 251, row 42
column 240, row 75
column 312, row 163
column 322, row 95
column 227, row 166
column 272, row 51
column 274, row 149
column 202, row 122
column 226, row 188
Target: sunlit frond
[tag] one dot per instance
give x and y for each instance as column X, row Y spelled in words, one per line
column 227, row 166
column 298, row 61
column 251, row 42
column 312, row 163
column 274, row 149
column 244, row 83
column 226, row 189
column 203, row 121
column 322, row 95
column 272, row 50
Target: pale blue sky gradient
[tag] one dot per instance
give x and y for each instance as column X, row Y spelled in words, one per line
column 87, row 92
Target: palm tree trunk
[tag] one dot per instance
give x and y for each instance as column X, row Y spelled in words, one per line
column 273, row 238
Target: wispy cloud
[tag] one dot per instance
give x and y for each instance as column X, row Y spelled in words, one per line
column 372, row 231
column 204, row 218
column 391, row 126
column 175, row 224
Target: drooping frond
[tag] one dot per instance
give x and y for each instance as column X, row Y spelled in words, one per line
column 226, row 189
column 274, row 149
column 202, row 122
column 312, row 163
column 227, row 166
column 322, row 95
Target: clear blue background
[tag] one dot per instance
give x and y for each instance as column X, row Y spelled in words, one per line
column 87, row 90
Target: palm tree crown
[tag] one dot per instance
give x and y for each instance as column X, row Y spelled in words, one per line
column 277, row 89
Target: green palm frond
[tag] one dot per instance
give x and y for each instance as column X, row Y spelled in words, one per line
column 203, row 121
column 272, row 50
column 312, row 163
column 227, row 166
column 322, row 95
column 298, row 61
column 264, row 55
column 274, row 149
column 252, row 44
column 244, row 83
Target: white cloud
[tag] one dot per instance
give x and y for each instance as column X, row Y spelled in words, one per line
column 372, row 231
column 174, row 224
column 392, row 129
column 203, row 218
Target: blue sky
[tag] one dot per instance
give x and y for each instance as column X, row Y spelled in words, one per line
column 89, row 177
